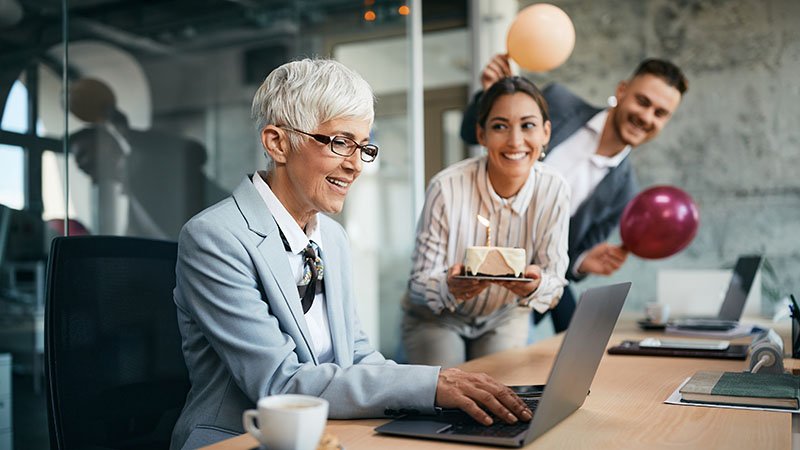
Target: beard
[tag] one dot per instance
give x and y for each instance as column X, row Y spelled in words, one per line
column 629, row 132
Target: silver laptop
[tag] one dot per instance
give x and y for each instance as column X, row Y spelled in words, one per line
column 565, row 391
column 744, row 273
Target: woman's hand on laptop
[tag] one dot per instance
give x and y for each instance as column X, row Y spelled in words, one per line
column 474, row 393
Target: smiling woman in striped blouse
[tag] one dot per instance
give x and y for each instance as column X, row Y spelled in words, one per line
column 449, row 320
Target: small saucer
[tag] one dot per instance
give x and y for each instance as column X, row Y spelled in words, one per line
column 645, row 324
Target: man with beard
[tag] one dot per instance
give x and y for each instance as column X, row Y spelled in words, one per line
column 589, row 146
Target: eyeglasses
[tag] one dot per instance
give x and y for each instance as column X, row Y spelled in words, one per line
column 342, row 145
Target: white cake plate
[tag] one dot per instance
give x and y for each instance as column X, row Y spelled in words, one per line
column 481, row 277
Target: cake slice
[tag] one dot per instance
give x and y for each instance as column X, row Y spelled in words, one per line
column 495, row 261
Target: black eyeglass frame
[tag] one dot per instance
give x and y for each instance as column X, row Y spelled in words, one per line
column 369, row 152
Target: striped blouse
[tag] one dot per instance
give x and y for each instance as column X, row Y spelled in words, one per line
column 536, row 219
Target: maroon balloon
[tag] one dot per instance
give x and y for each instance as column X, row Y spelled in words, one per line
column 75, row 228
column 659, row 222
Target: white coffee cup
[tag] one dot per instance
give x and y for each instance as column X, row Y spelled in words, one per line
column 288, row 421
column 657, row 313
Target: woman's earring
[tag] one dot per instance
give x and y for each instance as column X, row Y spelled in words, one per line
column 543, row 154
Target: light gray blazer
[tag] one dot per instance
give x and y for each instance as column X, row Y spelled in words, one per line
column 244, row 335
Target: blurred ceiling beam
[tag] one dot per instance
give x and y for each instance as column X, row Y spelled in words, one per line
column 122, row 38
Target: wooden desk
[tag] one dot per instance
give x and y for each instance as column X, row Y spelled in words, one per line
column 624, row 410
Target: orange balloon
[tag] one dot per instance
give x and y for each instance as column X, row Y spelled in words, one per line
column 541, row 37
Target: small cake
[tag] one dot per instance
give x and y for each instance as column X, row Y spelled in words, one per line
column 495, row 261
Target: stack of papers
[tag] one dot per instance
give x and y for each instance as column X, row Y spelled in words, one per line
column 676, row 399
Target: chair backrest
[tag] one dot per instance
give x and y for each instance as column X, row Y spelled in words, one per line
column 115, row 373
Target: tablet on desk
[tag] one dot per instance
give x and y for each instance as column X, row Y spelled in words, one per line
column 684, row 344
column 733, row 351
column 705, row 324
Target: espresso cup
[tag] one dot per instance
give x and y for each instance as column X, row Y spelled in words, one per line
column 656, row 313
column 288, row 421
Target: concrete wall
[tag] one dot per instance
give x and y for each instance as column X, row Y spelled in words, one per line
column 733, row 143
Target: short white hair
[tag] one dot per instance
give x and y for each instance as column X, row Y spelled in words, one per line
column 307, row 93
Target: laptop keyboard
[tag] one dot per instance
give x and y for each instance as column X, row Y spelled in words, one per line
column 468, row 426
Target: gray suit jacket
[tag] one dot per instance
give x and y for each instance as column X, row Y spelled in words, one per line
column 245, row 337
column 597, row 216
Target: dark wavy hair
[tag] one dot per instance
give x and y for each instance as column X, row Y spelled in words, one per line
column 507, row 86
column 665, row 70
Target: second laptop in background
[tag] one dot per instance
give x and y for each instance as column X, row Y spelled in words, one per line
column 730, row 312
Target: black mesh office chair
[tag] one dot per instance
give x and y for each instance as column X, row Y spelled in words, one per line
column 116, row 377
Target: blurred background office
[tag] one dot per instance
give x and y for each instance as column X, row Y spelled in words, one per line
column 170, row 133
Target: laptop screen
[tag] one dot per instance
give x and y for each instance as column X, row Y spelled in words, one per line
column 742, row 280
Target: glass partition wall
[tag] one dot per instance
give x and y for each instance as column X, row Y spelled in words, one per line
column 159, row 128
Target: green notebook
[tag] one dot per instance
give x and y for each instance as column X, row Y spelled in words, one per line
column 770, row 390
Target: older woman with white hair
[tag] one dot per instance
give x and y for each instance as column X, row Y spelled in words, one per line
column 264, row 285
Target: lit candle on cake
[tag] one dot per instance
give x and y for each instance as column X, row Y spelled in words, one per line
column 485, row 222
column 493, row 261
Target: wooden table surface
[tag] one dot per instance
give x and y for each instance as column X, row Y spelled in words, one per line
column 625, row 408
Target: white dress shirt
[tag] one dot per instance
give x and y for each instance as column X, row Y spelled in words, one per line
column 580, row 165
column 317, row 316
column 536, row 219
column 576, row 160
